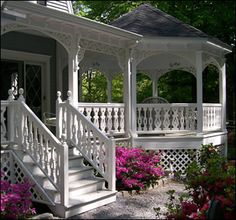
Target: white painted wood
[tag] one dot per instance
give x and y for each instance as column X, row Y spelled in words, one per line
column 133, row 73
column 80, row 85
column 4, row 132
column 64, row 6
column 106, row 116
column 127, row 93
column 212, row 116
column 222, row 89
column 154, row 88
column 90, row 141
column 46, row 151
column 73, row 77
column 166, row 117
column 199, row 91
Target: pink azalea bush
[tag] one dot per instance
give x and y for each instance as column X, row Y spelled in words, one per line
column 136, row 168
column 15, row 200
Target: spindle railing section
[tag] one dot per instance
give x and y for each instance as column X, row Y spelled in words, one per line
column 212, row 117
column 91, row 142
column 106, row 116
column 176, row 117
column 166, row 117
column 32, row 136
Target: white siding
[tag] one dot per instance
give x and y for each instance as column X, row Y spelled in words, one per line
column 64, row 6
column 59, row 5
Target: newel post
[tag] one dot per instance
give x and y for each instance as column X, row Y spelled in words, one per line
column 68, row 116
column 64, row 173
column 11, row 116
column 58, row 115
column 112, row 165
column 20, row 116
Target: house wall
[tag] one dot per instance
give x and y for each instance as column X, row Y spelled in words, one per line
column 38, row 45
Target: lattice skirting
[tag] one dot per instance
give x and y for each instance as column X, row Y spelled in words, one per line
column 14, row 173
column 178, row 159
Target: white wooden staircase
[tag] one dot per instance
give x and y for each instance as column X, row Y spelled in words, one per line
column 64, row 182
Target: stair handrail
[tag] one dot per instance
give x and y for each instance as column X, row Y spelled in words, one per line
column 50, row 155
column 87, row 138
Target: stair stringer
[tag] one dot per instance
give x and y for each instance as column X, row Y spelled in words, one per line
column 43, row 194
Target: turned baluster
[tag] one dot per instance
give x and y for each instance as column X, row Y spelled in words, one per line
column 116, row 121
column 109, row 119
column 103, row 119
column 145, row 118
column 139, row 119
column 122, row 119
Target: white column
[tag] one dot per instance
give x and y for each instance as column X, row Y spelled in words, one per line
column 222, row 89
column 199, row 92
column 80, row 84
column 127, row 94
column 73, row 77
column 154, row 87
column 133, row 71
column 109, row 89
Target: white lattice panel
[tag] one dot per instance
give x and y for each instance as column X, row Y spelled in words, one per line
column 15, row 174
column 6, row 162
column 179, row 158
column 19, row 178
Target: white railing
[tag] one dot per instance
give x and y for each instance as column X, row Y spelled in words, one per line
column 166, row 117
column 212, row 116
column 106, row 116
column 91, row 142
column 4, row 128
column 7, row 119
column 50, row 155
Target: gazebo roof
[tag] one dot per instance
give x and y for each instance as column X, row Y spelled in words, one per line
column 152, row 22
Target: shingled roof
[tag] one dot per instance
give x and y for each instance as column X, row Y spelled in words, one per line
column 152, row 22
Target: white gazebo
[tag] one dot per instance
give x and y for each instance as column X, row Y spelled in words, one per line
column 45, row 49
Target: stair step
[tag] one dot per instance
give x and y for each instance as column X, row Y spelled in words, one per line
column 78, row 173
column 83, row 203
column 83, row 186
column 90, row 197
column 75, row 160
column 77, row 188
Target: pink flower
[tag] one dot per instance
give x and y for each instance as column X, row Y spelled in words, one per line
column 137, row 168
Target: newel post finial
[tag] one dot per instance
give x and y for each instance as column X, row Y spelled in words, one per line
column 21, row 97
column 59, row 97
column 10, row 95
column 69, row 98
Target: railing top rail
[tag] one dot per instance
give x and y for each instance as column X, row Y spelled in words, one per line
column 86, row 104
column 40, row 124
column 89, row 123
column 166, row 104
column 212, row 105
